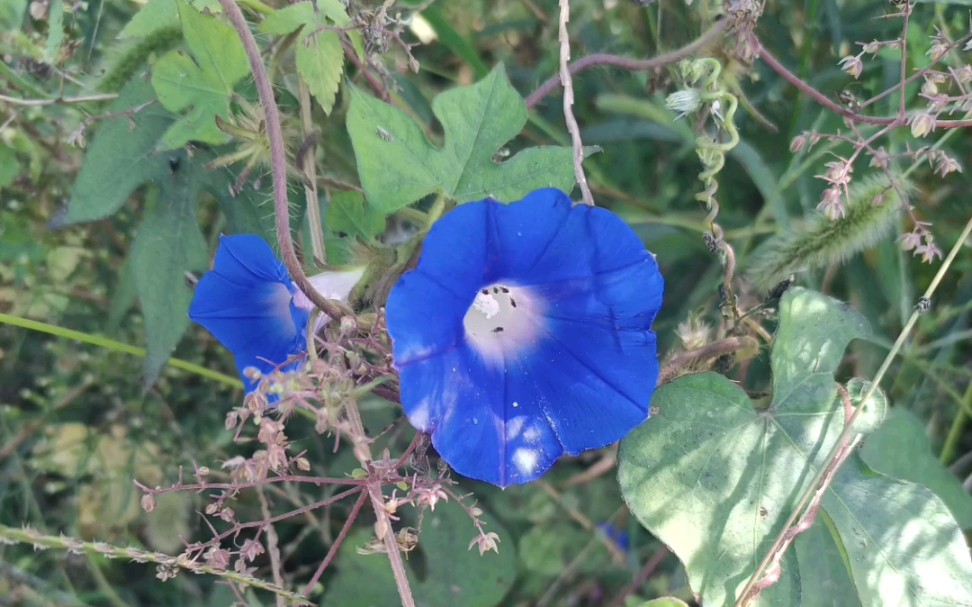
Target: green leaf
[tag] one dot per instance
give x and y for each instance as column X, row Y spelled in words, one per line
column 320, row 63
column 348, row 213
column 319, row 57
column 900, row 449
column 167, row 245
column 398, row 164
column 9, row 167
column 121, row 157
column 55, row 31
column 453, row 574
column 155, row 16
column 12, row 14
column 203, row 81
column 715, row 478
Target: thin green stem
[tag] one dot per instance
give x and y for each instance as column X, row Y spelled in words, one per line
column 115, row 346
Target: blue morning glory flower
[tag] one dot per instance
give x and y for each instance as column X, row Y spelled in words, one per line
column 525, row 333
column 251, row 305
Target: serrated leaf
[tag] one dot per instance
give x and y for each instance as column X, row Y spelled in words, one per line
column 202, row 82
column 319, row 55
column 121, row 157
column 454, row 574
column 167, row 245
column 292, row 18
column 349, row 214
column 320, row 63
column 154, row 16
column 398, row 165
column 900, row 449
column 715, row 478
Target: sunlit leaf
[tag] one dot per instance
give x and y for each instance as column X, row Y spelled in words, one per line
column 715, row 478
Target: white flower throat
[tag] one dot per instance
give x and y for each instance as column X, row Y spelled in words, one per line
column 503, row 321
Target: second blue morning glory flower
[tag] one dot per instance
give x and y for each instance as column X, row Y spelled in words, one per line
column 525, row 333
column 251, row 305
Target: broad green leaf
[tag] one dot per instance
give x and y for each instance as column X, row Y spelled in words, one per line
column 453, row 574
column 154, row 16
column 349, row 214
column 201, row 83
column 167, row 245
column 319, row 56
column 398, row 165
column 900, row 449
column 121, row 157
column 715, row 478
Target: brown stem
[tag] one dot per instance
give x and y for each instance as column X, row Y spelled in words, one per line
column 332, row 552
column 835, row 107
column 713, row 350
column 632, row 65
column 278, row 161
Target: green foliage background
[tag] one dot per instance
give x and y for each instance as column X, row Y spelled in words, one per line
column 104, row 211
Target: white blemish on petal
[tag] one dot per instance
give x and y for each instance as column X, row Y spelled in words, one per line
column 514, row 427
column 515, row 404
column 420, row 416
column 525, row 460
column 532, row 435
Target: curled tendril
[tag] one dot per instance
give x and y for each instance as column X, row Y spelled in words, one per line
column 704, row 75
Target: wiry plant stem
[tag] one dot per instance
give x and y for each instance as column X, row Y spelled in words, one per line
column 707, row 39
column 278, row 161
column 26, row 535
column 572, row 126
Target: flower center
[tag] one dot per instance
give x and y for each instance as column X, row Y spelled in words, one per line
column 502, row 321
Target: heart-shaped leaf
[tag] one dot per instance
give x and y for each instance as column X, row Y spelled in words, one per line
column 715, row 478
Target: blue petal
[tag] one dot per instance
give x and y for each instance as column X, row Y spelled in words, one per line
column 424, row 318
column 588, row 241
column 599, row 384
column 524, row 230
column 454, row 254
column 586, row 383
column 485, row 422
column 246, row 303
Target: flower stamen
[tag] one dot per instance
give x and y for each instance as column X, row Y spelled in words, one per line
column 497, row 327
